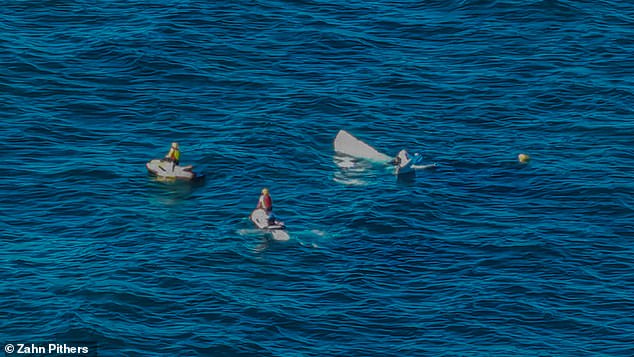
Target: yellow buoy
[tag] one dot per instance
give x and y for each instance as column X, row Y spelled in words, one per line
column 523, row 158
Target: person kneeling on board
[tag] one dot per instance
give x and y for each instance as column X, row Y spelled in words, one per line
column 266, row 203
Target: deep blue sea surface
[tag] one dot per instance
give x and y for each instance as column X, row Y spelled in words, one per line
column 481, row 256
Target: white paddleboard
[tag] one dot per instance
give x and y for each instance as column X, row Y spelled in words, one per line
column 260, row 219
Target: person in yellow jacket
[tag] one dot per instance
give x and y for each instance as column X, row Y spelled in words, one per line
column 173, row 155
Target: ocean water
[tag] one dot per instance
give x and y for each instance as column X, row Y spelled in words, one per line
column 480, row 256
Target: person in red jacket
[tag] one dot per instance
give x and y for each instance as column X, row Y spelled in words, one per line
column 266, row 203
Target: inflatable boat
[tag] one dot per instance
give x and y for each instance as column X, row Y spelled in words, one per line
column 169, row 170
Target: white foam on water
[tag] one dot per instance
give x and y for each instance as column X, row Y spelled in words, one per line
column 351, row 182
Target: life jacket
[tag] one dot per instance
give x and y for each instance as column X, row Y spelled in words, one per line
column 265, row 202
column 175, row 154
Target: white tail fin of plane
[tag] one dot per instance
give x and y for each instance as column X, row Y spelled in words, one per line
column 347, row 144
